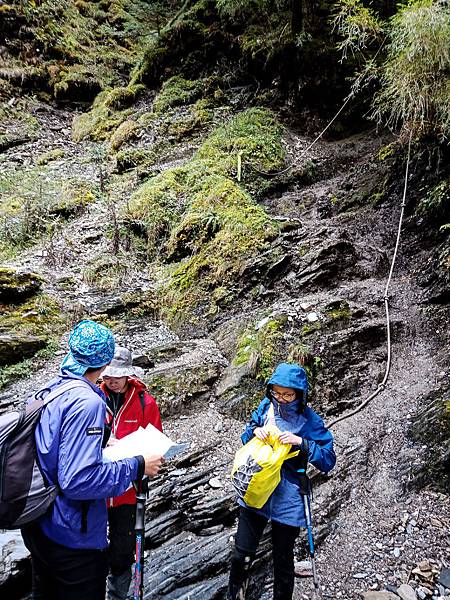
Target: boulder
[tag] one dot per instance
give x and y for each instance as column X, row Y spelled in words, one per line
column 16, row 286
column 406, row 592
column 15, row 347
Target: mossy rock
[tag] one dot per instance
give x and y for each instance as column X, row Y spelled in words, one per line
column 181, row 124
column 124, row 133
column 106, row 272
column 15, row 347
column 16, row 286
column 130, row 158
column 176, row 91
column 254, row 134
column 35, row 323
column 78, row 83
column 108, row 112
column 259, row 347
column 74, row 199
column 50, row 156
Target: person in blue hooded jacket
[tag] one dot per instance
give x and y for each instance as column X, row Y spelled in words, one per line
column 285, row 405
column 68, row 543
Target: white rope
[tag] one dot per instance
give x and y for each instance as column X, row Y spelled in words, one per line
column 355, row 88
column 381, row 386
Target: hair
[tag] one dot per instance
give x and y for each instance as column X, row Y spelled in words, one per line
column 91, row 370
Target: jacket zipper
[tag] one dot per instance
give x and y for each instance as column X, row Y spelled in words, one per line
column 115, row 423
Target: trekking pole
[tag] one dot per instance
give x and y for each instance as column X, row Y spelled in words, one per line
column 141, row 494
column 305, row 490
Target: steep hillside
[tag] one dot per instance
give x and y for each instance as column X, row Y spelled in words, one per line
column 194, row 208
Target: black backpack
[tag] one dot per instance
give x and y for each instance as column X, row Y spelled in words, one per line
column 25, row 495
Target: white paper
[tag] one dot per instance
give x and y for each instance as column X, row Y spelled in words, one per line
column 142, row 442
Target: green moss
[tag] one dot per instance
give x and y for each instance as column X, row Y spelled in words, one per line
column 203, row 220
column 341, row 312
column 255, row 134
column 40, row 316
column 180, row 124
column 387, row 151
column 50, row 156
column 158, row 204
column 176, row 91
column 74, row 198
column 261, row 348
column 130, row 158
column 108, row 112
column 125, row 132
column 15, row 285
column 310, row 328
column 148, row 68
column 82, row 47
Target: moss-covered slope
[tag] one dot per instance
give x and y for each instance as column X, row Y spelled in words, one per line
column 71, row 49
column 202, row 222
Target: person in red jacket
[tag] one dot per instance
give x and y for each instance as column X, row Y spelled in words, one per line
column 129, row 406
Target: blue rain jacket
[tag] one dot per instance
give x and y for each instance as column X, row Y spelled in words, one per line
column 69, row 447
column 285, row 505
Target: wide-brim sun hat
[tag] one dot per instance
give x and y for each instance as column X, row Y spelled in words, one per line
column 122, row 365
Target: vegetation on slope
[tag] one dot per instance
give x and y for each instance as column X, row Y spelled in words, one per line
column 202, row 222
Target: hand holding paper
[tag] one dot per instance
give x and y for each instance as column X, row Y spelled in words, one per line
column 143, row 442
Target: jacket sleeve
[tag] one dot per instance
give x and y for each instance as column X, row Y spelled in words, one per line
column 82, row 474
column 320, row 444
column 256, row 420
column 151, row 413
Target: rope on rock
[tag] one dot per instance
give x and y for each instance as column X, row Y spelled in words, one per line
column 303, row 152
column 381, row 386
column 355, row 88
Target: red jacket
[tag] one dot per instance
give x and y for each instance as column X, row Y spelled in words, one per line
column 130, row 417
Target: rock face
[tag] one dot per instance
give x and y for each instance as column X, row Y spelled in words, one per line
column 16, row 286
column 187, row 379
column 16, row 347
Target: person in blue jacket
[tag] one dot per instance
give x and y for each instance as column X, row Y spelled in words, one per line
column 285, row 405
column 68, row 544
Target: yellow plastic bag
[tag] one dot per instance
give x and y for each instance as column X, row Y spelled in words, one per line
column 257, row 466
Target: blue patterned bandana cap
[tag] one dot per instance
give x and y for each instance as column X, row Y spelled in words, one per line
column 91, row 346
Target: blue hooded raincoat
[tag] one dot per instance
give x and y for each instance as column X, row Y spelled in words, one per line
column 69, row 447
column 285, row 505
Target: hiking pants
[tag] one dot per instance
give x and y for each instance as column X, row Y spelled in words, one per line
column 121, row 551
column 250, row 529
column 61, row 573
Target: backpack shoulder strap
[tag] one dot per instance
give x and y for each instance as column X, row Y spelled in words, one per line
column 141, row 395
column 65, row 387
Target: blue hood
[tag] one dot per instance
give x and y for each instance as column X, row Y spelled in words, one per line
column 292, row 376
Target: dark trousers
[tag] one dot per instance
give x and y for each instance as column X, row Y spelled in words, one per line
column 250, row 529
column 61, row 573
column 122, row 537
